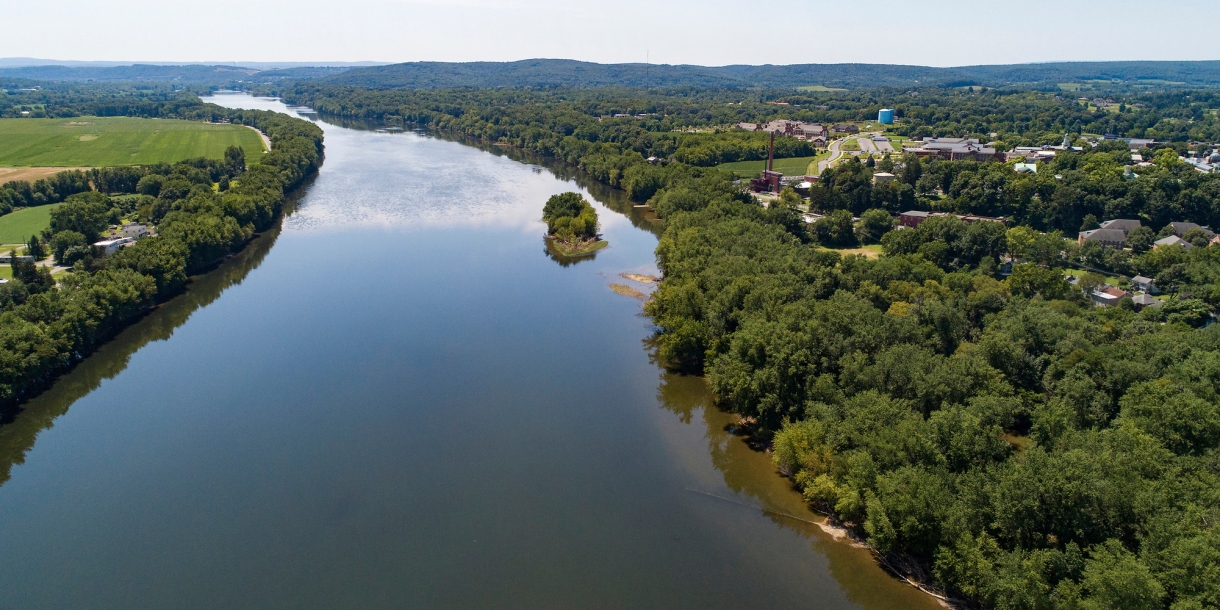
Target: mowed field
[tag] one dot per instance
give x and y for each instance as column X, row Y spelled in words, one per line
column 103, row 141
column 795, row 166
column 17, row 227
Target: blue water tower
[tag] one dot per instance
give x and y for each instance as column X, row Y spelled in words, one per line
column 886, row 116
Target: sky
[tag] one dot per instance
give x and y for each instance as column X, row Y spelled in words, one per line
column 704, row 32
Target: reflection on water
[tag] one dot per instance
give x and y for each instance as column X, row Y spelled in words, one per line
column 18, row 436
column 407, row 406
column 758, row 487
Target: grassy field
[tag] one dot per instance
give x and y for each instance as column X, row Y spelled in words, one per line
column 98, row 141
column 871, row 251
column 17, row 227
column 850, row 145
column 789, row 167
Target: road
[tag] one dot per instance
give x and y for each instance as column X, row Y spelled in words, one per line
column 866, row 146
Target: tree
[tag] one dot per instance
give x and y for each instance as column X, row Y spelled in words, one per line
column 1031, row 280
column 1196, row 237
column 1021, row 241
column 835, row 230
column 1090, row 281
column 873, row 224
column 788, row 198
column 64, row 241
column 85, row 213
column 35, row 248
column 1140, row 239
column 1114, row 579
column 569, row 216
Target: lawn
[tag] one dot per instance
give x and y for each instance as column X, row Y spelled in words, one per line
column 818, row 88
column 850, row 145
column 871, row 251
column 17, row 227
column 103, row 141
column 794, row 166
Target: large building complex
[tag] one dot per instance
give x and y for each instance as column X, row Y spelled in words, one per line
column 953, row 149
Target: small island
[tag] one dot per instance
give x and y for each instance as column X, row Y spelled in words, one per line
column 571, row 225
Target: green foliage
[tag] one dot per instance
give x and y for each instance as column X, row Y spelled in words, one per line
column 569, row 217
column 85, row 213
column 44, row 329
column 1025, row 448
column 873, row 225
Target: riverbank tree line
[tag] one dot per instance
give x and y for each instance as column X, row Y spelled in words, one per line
column 203, row 210
column 997, row 437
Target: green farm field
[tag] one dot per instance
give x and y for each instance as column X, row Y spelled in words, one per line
column 789, row 167
column 18, row 226
column 104, row 141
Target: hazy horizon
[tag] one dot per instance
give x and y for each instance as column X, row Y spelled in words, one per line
column 938, row 33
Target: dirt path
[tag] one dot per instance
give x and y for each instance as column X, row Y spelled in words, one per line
column 266, row 140
column 30, row 174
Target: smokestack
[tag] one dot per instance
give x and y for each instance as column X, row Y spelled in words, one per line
column 771, row 154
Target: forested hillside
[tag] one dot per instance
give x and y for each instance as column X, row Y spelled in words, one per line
column 571, row 73
column 994, row 436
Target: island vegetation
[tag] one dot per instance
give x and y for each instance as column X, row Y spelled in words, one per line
column 572, row 225
column 991, row 434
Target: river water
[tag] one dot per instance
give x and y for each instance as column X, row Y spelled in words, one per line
column 400, row 399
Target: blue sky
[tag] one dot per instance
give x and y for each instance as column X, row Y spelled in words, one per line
column 711, row 32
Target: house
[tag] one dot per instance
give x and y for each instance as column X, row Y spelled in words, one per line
column 1108, row 296
column 1121, row 224
column 845, row 128
column 1180, row 229
column 1144, row 284
column 954, row 149
column 1143, row 300
column 882, row 178
column 109, row 246
column 913, row 219
column 1172, row 240
column 134, row 231
column 1108, row 238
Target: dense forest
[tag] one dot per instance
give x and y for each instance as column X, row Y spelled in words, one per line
column 995, row 436
column 659, row 122
column 203, row 209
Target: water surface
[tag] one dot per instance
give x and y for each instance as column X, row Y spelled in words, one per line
column 401, row 400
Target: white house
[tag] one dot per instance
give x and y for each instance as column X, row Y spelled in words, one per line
column 109, row 246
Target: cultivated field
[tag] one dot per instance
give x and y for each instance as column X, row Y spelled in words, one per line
column 30, row 174
column 102, row 141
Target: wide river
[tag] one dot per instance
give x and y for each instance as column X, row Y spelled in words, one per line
column 399, row 399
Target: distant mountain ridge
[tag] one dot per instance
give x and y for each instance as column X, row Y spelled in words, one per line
column 572, row 73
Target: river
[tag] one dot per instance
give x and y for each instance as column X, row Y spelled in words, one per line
column 399, row 399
